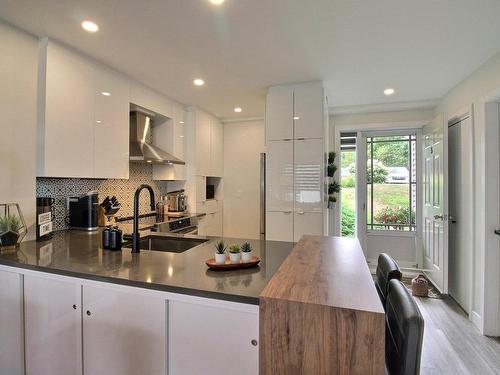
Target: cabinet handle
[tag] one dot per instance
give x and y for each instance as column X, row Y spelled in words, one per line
column 254, row 342
column 74, row 307
column 300, row 212
column 89, row 313
column 287, row 212
column 287, row 139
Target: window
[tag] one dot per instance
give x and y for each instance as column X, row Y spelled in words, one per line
column 391, row 180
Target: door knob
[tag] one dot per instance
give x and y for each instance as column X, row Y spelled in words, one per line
column 89, row 313
column 497, row 231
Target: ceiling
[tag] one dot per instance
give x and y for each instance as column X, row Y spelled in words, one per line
column 358, row 48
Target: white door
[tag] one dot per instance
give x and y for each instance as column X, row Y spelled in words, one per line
column 308, row 116
column 308, row 175
column 53, row 326
column 279, row 113
column 460, row 224
column 123, row 332
column 434, row 210
column 11, row 324
column 213, row 340
column 307, row 223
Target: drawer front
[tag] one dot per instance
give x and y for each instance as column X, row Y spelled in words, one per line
column 209, row 206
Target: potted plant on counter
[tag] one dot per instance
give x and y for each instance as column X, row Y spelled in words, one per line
column 234, row 253
column 246, row 252
column 12, row 226
column 220, row 252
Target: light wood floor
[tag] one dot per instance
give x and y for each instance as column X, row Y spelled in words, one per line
column 452, row 345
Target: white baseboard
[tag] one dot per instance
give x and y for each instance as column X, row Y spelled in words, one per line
column 477, row 320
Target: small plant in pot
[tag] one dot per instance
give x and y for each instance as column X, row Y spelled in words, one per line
column 235, row 253
column 9, row 230
column 220, row 252
column 246, row 252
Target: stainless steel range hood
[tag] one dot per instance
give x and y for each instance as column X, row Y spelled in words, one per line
column 141, row 148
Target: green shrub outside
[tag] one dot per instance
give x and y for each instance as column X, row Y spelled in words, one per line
column 348, row 222
column 348, row 182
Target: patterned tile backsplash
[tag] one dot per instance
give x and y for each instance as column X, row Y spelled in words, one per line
column 62, row 188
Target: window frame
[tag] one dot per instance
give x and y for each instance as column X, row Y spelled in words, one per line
column 393, row 133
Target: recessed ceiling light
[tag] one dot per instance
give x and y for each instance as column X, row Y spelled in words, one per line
column 238, row 109
column 181, row 122
column 389, row 91
column 98, row 121
column 216, row 2
column 90, row 26
column 105, row 93
column 296, row 118
column 199, row 82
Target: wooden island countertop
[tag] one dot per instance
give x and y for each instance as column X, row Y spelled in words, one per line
column 321, row 314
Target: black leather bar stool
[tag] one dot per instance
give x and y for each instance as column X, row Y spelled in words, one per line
column 387, row 269
column 404, row 331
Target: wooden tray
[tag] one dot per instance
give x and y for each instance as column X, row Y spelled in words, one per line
column 232, row 266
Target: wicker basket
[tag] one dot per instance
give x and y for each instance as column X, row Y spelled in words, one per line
column 420, row 286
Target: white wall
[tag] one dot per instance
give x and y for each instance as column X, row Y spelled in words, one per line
column 18, row 86
column 478, row 89
column 243, row 143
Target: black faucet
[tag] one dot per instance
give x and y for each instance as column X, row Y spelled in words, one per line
column 136, row 236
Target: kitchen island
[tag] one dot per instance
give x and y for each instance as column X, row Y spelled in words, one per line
column 77, row 308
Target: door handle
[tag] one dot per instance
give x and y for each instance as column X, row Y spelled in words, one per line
column 497, row 231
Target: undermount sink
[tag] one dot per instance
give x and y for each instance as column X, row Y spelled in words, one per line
column 167, row 244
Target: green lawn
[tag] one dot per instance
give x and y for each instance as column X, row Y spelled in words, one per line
column 392, row 195
column 384, row 195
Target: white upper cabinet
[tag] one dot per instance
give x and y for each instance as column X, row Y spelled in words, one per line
column 216, row 148
column 279, row 176
column 279, row 113
column 308, row 175
column 111, row 126
column 82, row 132
column 295, row 112
column 308, row 114
column 170, row 136
column 203, row 144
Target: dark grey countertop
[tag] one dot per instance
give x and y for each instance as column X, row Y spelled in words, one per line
column 79, row 254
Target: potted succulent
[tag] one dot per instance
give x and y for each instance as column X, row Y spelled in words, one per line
column 246, row 252
column 220, row 252
column 9, row 229
column 234, row 253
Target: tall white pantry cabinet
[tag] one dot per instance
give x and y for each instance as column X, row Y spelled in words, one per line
column 296, row 140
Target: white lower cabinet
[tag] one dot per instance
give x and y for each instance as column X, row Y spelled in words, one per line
column 279, row 226
column 123, row 332
column 307, row 223
column 53, row 326
column 11, row 324
column 218, row 339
